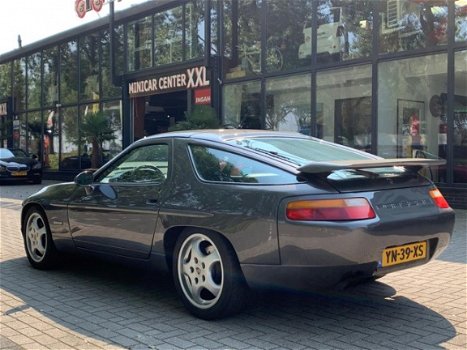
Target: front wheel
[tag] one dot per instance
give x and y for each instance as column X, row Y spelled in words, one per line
column 207, row 275
column 40, row 249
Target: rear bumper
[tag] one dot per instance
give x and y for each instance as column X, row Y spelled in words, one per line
column 322, row 277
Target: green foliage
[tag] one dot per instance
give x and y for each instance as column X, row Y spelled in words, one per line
column 97, row 128
column 201, row 117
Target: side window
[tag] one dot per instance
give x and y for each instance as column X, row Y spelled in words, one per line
column 142, row 165
column 215, row 165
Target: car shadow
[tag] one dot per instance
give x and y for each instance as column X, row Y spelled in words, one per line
column 139, row 308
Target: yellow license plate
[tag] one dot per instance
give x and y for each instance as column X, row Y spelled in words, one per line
column 19, row 173
column 403, row 254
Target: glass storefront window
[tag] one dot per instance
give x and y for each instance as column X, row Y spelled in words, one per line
column 22, row 126
column 5, row 79
column 139, row 34
column 242, row 29
column 69, row 72
column 34, row 81
column 409, row 25
column 112, row 145
column 288, row 104
column 168, row 35
column 119, row 41
column 51, row 138
column 108, row 89
column 343, row 108
column 50, row 68
column 69, row 147
column 89, row 66
column 195, row 29
column 34, row 132
column 460, row 118
column 412, row 109
column 288, row 34
column 461, row 20
column 242, row 105
column 19, row 84
column 344, row 30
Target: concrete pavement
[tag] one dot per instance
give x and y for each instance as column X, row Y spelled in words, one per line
column 89, row 304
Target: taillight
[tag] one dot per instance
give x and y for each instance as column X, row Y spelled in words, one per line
column 438, row 198
column 330, row 209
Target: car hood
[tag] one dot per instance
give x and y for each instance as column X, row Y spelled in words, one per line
column 17, row 160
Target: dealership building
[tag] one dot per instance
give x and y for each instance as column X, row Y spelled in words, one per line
column 388, row 77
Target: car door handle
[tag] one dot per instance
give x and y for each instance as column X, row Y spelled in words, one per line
column 151, row 201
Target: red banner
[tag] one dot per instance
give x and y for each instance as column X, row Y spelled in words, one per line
column 203, row 96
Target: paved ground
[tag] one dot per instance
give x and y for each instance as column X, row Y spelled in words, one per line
column 92, row 305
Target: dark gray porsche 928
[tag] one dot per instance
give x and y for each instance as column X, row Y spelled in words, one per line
column 225, row 210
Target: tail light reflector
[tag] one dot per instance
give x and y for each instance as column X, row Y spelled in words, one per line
column 439, row 199
column 330, row 209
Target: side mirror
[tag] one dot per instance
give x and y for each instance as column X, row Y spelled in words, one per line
column 84, row 178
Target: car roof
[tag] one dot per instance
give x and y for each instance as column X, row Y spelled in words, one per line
column 222, row 135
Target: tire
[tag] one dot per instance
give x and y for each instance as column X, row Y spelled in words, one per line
column 38, row 243
column 37, row 181
column 207, row 275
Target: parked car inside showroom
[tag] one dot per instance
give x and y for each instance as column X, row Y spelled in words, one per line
column 228, row 210
column 17, row 165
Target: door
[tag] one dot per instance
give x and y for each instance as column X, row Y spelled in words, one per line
column 117, row 214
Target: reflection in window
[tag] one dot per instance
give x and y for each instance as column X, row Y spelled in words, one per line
column 50, row 67
column 242, row 27
column 22, row 143
column 288, row 104
column 344, row 106
column 52, row 137
column 19, row 84
column 242, row 105
column 113, row 143
column 119, row 41
column 34, row 131
column 108, row 89
column 5, row 78
column 89, row 66
column 215, row 165
column 140, row 44
column 344, row 30
column 34, row 81
column 460, row 118
column 168, row 32
column 412, row 120
column 288, row 43
column 69, row 151
column 409, row 25
column 69, row 72
column 461, row 20
column 142, row 165
column 195, row 36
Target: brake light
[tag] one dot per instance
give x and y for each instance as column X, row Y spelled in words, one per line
column 330, row 209
column 439, row 199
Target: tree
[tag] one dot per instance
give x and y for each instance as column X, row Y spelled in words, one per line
column 96, row 128
column 201, row 117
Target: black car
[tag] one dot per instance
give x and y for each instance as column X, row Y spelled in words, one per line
column 17, row 165
column 225, row 210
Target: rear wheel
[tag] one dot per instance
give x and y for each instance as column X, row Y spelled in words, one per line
column 40, row 249
column 207, row 275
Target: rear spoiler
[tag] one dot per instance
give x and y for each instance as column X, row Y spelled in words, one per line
column 327, row 168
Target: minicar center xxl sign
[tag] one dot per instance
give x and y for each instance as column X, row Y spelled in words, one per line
column 191, row 78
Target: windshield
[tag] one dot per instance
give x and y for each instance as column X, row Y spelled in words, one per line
column 6, row 153
column 301, row 151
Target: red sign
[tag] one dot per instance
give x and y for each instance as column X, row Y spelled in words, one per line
column 203, row 96
column 97, row 5
column 80, row 7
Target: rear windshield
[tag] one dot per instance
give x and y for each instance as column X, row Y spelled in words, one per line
column 301, row 151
